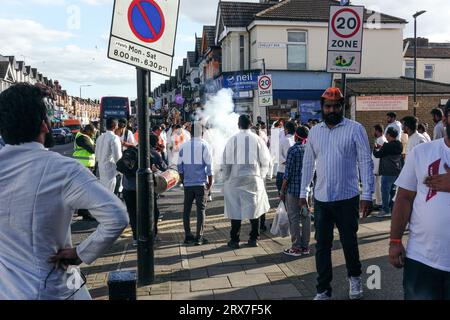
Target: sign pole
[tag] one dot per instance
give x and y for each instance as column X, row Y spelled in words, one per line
column 344, row 75
column 145, row 195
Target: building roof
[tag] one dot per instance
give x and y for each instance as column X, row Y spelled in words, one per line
column 241, row 14
column 4, row 65
column 430, row 53
column 400, row 85
column 192, row 59
column 209, row 32
column 311, row 10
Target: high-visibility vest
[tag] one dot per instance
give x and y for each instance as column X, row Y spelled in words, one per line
column 85, row 157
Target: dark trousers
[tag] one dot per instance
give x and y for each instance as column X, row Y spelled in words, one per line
column 130, row 197
column 345, row 214
column 279, row 181
column 421, row 282
column 236, row 229
column 200, row 195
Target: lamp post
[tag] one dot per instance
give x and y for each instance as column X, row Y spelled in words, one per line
column 415, row 58
column 81, row 86
column 264, row 72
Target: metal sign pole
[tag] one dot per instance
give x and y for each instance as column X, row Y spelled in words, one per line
column 344, row 75
column 145, row 196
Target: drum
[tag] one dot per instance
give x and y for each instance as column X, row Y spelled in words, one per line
column 164, row 181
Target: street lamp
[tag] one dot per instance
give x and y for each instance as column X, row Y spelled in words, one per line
column 263, row 63
column 415, row 58
column 81, row 86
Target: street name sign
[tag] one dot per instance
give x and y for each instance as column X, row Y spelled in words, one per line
column 345, row 35
column 265, row 92
column 143, row 33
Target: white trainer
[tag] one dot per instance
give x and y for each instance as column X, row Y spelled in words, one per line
column 322, row 296
column 356, row 288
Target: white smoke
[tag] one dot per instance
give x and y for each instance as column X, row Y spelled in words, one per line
column 219, row 116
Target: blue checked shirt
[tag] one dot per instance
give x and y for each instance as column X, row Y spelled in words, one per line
column 293, row 171
column 195, row 162
column 339, row 156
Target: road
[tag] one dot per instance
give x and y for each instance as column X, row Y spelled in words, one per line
column 246, row 273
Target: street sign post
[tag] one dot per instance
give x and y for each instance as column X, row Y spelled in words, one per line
column 345, row 34
column 265, row 92
column 143, row 35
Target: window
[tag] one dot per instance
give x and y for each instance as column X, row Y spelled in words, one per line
column 296, row 50
column 429, row 71
column 409, row 69
column 241, row 52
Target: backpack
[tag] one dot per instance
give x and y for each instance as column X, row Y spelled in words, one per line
column 129, row 163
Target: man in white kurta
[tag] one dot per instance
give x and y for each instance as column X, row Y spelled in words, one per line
column 108, row 151
column 246, row 162
column 39, row 192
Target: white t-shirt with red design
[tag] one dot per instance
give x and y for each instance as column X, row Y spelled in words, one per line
column 429, row 239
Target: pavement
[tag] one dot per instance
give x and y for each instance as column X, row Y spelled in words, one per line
column 215, row 272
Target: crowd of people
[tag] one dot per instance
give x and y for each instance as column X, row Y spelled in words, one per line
column 326, row 172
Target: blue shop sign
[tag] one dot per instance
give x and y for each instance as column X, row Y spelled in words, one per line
column 239, row 81
column 310, row 109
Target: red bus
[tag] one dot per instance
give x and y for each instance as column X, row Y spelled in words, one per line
column 113, row 107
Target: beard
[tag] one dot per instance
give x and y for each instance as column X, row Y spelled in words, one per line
column 49, row 140
column 333, row 118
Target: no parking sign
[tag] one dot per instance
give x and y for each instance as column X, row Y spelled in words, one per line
column 345, row 35
column 143, row 33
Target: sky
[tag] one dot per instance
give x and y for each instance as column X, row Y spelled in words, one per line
column 67, row 40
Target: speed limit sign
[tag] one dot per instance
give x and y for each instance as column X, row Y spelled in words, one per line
column 346, row 28
column 345, row 35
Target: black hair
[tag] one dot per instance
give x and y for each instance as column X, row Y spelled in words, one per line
column 111, row 123
column 302, row 132
column 437, row 112
column 410, row 122
column 244, row 122
column 447, row 108
column 392, row 132
column 22, row 110
column 391, row 115
column 153, row 140
column 123, row 123
column 89, row 127
column 177, row 126
column 155, row 128
column 290, row 127
column 422, row 126
column 379, row 128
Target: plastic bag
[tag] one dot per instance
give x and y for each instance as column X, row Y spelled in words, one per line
column 280, row 224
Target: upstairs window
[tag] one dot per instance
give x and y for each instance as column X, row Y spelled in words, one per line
column 296, row 50
column 429, row 72
column 409, row 69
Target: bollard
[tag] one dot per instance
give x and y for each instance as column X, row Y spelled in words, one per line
column 122, row 285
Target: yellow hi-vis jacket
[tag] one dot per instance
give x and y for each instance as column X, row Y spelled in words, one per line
column 85, row 157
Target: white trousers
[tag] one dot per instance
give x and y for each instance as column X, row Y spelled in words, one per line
column 378, row 199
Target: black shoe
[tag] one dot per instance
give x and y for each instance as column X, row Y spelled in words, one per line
column 89, row 218
column 252, row 243
column 201, row 241
column 233, row 244
column 189, row 239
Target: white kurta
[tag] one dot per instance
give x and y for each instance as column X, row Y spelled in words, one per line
column 108, row 151
column 39, row 192
column 245, row 164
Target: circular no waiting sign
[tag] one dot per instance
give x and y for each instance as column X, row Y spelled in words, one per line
column 264, row 83
column 346, row 23
column 146, row 20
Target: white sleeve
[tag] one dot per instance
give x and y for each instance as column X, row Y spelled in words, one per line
column 82, row 190
column 408, row 178
column 116, row 147
column 131, row 138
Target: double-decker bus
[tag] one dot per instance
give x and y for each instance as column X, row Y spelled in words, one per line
column 113, row 107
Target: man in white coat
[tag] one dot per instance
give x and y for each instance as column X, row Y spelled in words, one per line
column 108, row 151
column 245, row 164
column 39, row 192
